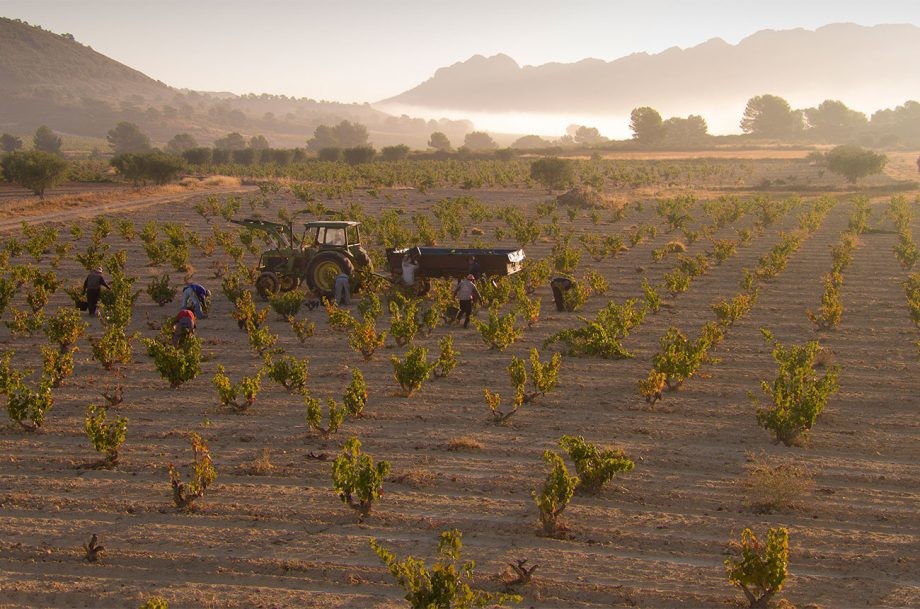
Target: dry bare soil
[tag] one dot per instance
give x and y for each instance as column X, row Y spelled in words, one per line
column 657, row 537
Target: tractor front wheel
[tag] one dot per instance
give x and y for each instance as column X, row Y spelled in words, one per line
column 267, row 284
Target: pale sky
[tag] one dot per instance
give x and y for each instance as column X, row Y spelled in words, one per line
column 367, row 50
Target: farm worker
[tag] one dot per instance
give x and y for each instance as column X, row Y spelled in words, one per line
column 92, row 287
column 183, row 327
column 409, row 268
column 193, row 297
column 342, row 289
column 474, row 269
column 466, row 291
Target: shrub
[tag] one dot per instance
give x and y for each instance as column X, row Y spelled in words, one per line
column 723, row 249
column 7, row 291
column 365, row 339
column 356, row 478
column 369, row 306
column 595, row 467
column 287, row 304
column 160, row 291
column 26, row 407
column 596, row 282
column 652, row 299
column 555, row 494
column 680, row 358
column 260, row 338
column 447, row 358
column 544, row 376
column 602, row 336
column 759, row 569
column 446, row 585
column 413, row 370
column 336, row 414
column 339, row 319
column 106, row 435
column 575, row 297
column 203, row 475
column 831, row 304
column 355, row 398
column 288, row 371
column 906, row 251
column 651, row 386
column 494, row 402
column 56, row 365
column 245, row 313
column 176, row 364
column 302, row 328
column 526, row 307
column 65, row 327
column 230, row 393
column 729, row 311
column 114, row 347
column 403, row 322
column 798, row 394
column 500, row 331
column 677, row 281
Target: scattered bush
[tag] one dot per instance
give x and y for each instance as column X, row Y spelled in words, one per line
column 356, row 478
column 555, row 494
column 759, row 569
column 413, row 370
column 176, row 364
column 798, row 394
column 56, row 365
column 336, row 414
column 446, row 585
column 365, row 339
column 230, row 393
column 106, row 435
column 602, row 336
column 160, row 291
column 355, row 398
column 287, row 304
column 651, row 386
column 447, row 358
column 595, row 467
column 288, row 371
column 203, row 474
column 65, row 327
column 403, row 320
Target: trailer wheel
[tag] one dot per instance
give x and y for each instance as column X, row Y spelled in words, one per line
column 267, row 284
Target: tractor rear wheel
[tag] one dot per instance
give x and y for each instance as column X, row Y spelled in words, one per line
column 267, row 284
column 323, row 269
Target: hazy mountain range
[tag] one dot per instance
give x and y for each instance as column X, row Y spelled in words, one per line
column 865, row 67
column 48, row 78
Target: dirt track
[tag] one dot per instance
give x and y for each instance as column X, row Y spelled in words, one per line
column 655, row 538
column 130, row 203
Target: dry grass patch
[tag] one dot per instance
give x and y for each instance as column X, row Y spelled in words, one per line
column 776, row 483
column 416, row 478
column 464, row 443
column 260, row 466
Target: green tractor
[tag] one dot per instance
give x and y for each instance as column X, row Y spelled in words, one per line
column 319, row 253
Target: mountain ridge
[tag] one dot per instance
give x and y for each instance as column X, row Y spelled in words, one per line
column 832, row 60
